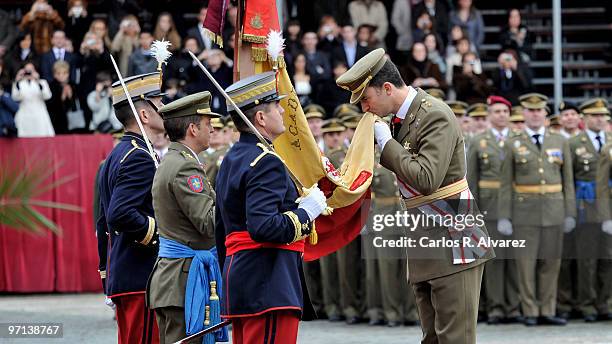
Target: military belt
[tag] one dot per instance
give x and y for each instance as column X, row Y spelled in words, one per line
column 538, row 189
column 441, row 193
column 489, row 184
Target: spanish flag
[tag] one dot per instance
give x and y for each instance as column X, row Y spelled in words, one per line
column 347, row 190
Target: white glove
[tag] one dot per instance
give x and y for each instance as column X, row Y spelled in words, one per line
column 569, row 224
column 109, row 303
column 606, row 227
column 504, row 226
column 382, row 133
column 314, row 203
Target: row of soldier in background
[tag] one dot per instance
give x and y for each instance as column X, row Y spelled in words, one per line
column 550, row 173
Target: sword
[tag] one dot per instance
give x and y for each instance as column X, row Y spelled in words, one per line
column 204, row 332
column 129, row 99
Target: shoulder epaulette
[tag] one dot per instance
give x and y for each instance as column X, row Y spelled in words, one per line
column 187, row 155
column 136, row 146
column 265, row 152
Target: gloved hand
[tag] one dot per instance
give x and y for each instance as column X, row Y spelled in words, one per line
column 314, row 203
column 382, row 133
column 569, row 224
column 606, row 227
column 109, row 303
column 504, row 226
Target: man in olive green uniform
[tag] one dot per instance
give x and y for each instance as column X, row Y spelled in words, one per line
column 536, row 202
column 314, row 116
column 484, row 163
column 594, row 248
column 517, row 120
column 425, row 149
column 569, row 119
column 213, row 156
column 183, row 201
column 478, row 113
column 466, row 123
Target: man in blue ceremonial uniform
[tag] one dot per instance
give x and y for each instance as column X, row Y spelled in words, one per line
column 126, row 219
column 260, row 229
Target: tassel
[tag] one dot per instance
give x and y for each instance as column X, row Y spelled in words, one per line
column 215, row 305
column 314, row 237
column 207, row 320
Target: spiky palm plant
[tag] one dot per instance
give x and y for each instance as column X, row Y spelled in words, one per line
column 20, row 185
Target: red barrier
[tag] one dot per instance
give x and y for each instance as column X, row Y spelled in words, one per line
column 56, row 263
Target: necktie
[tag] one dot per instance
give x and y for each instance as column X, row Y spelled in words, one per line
column 536, row 138
column 396, row 124
column 599, row 143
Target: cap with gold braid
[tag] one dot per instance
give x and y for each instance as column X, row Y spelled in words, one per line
column 533, row 101
column 436, row 93
column 350, row 121
column 254, row 90
column 193, row 104
column 517, row 114
column 357, row 79
column 217, row 123
column 332, row 126
column 477, row 110
column 343, row 110
column 143, row 86
column 459, row 108
column 596, row 106
column 314, row 111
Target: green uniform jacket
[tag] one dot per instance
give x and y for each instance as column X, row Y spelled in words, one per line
column 584, row 160
column 524, row 164
column 212, row 162
column 484, row 159
column 603, row 177
column 427, row 154
column 184, row 205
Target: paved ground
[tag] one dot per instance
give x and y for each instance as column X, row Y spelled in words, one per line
column 87, row 320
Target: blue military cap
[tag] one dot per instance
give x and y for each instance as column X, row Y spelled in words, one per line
column 141, row 86
column 566, row 105
column 254, row 90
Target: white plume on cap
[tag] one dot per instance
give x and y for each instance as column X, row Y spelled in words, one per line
column 159, row 50
column 275, row 43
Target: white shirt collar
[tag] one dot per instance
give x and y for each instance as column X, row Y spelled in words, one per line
column 592, row 135
column 540, row 131
column 403, row 110
column 503, row 132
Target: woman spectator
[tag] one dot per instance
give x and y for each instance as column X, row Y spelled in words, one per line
column 42, row 20
column 366, row 38
column 511, row 78
column 454, row 60
column 470, row 20
column 101, row 104
column 20, row 55
column 32, row 118
column 293, row 42
column 63, row 99
column 420, row 72
column 301, row 80
column 99, row 28
column 77, row 22
column 126, row 41
column 166, row 30
column 433, row 43
column 516, row 36
column 470, row 83
column 423, row 27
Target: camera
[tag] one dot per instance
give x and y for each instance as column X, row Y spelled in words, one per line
column 27, row 72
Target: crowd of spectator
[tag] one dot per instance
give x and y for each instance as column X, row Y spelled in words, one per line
column 55, row 70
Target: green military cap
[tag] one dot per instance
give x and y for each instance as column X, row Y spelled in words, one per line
column 193, row 104
column 459, row 108
column 477, row 110
column 332, row 126
column 143, row 86
column 217, row 123
column 254, row 90
column 357, row 79
column 517, row 114
column 596, row 106
column 436, row 93
column 533, row 101
column 345, row 109
column 351, row 121
column 314, row 111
